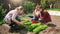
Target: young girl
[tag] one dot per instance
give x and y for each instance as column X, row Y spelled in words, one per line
column 37, row 14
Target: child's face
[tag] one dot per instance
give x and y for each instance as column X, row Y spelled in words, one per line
column 39, row 9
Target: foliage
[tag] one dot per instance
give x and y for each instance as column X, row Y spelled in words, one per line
column 45, row 3
column 2, row 11
column 28, row 6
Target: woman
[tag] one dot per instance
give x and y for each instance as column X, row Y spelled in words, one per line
column 12, row 18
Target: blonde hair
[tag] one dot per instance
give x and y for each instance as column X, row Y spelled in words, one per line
column 20, row 8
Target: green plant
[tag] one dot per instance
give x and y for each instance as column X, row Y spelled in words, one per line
column 2, row 11
column 2, row 14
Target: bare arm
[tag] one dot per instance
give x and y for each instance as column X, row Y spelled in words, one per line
column 14, row 20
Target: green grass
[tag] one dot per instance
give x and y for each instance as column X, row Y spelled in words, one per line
column 55, row 9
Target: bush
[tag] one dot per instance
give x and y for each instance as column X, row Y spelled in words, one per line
column 28, row 6
column 2, row 11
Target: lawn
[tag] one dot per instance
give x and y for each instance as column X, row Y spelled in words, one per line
column 55, row 9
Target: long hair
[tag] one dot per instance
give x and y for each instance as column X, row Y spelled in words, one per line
column 42, row 12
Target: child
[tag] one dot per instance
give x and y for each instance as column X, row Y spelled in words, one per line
column 37, row 14
column 12, row 18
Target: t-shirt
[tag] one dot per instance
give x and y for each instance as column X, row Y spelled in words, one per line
column 10, row 15
column 38, row 14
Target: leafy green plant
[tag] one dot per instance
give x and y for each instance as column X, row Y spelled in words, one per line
column 2, row 11
column 2, row 14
